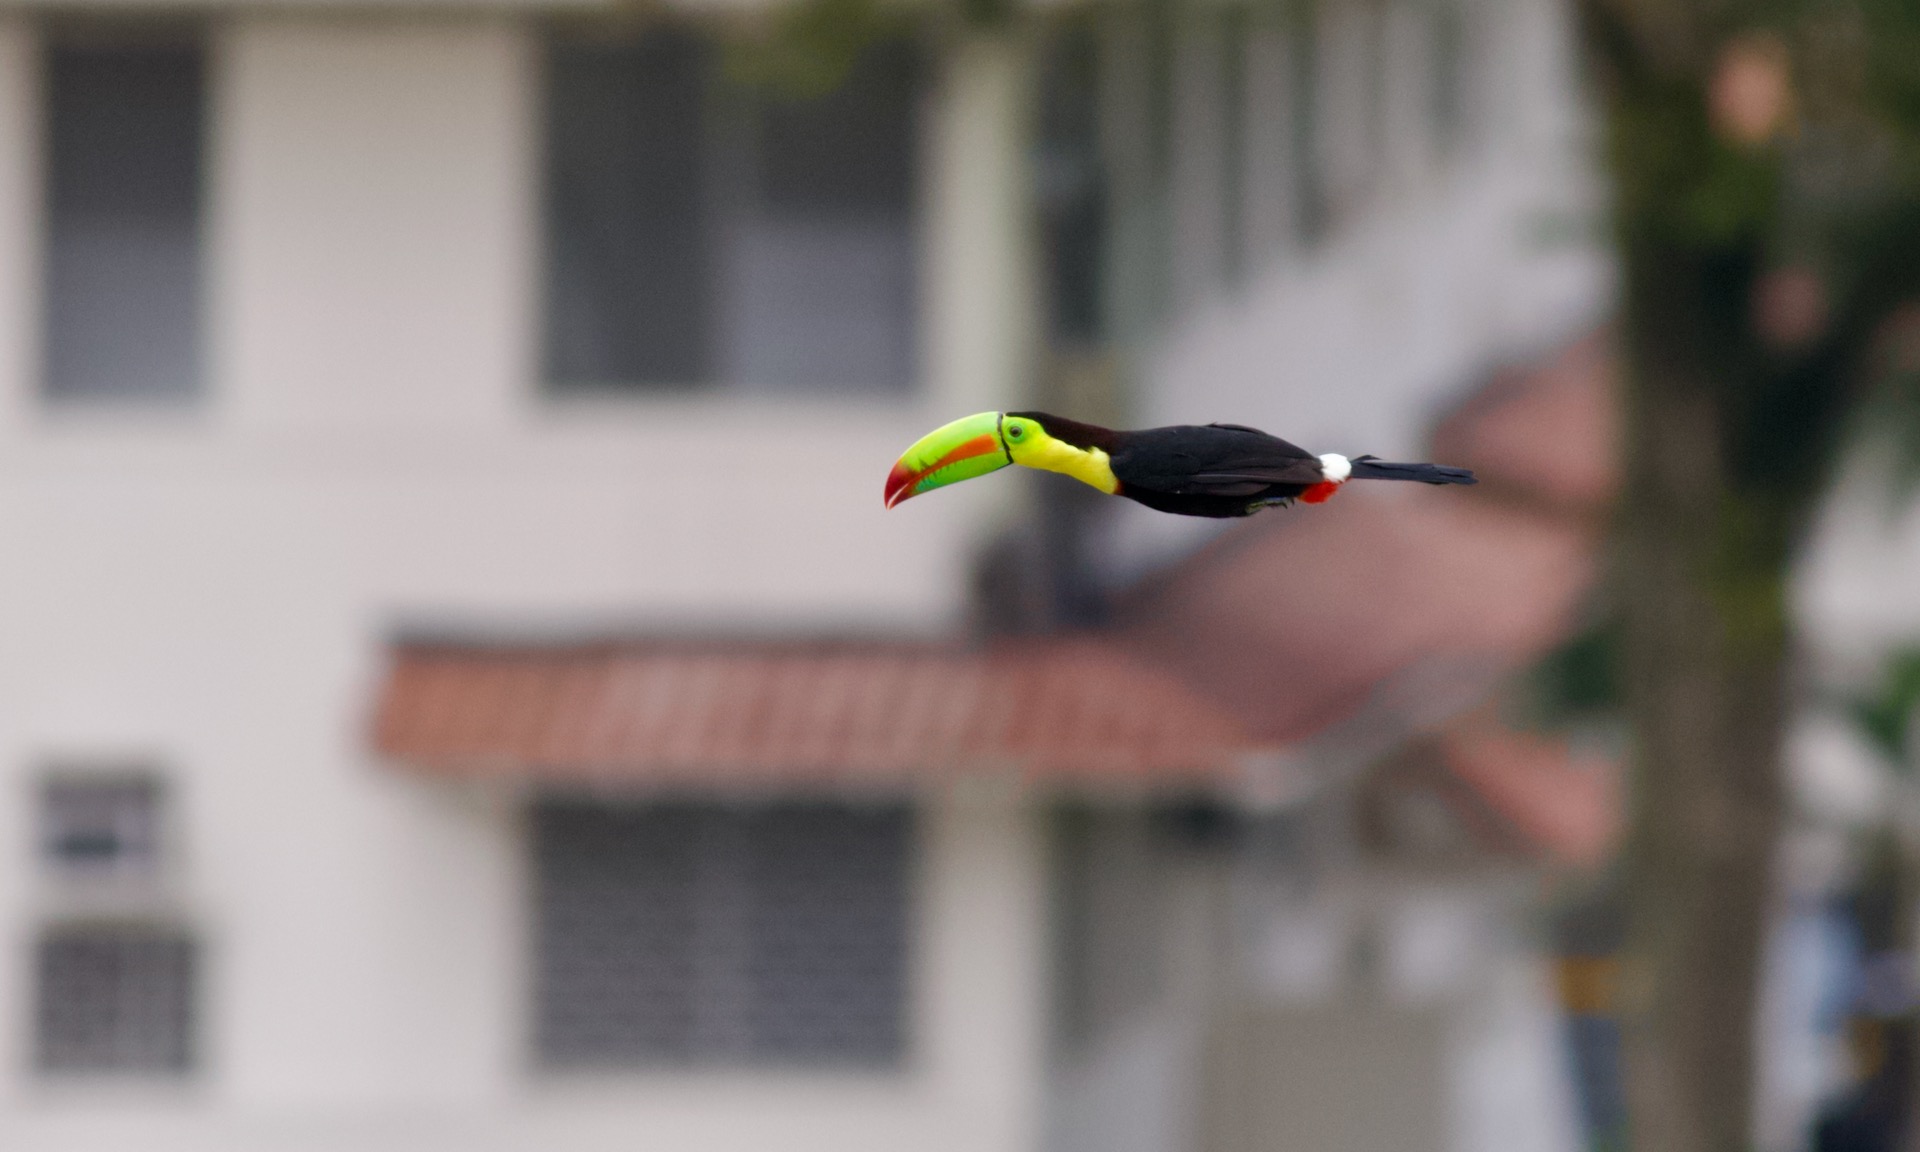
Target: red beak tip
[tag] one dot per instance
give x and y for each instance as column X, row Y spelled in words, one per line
column 899, row 486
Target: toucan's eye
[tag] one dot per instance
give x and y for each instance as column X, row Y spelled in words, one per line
column 1014, row 432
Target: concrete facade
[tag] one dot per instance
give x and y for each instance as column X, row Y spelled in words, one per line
column 207, row 589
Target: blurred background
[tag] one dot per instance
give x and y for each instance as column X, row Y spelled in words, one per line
column 459, row 688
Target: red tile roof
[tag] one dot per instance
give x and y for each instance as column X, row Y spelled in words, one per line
column 669, row 714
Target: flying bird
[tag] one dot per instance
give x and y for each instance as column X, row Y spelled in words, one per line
column 1216, row 470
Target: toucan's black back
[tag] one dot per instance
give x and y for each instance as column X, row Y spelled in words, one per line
column 1220, row 470
column 1216, row 470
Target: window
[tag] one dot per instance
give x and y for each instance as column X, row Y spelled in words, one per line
column 123, row 202
column 1349, row 107
column 1449, row 71
column 1135, row 114
column 115, row 998
column 1269, row 130
column 701, row 233
column 114, row 975
column 97, row 827
column 1072, row 187
column 700, row 934
column 1312, row 195
column 1203, row 86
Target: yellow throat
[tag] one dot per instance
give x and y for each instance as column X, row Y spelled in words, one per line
column 1088, row 465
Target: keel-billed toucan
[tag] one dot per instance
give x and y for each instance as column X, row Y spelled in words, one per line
column 1217, row 470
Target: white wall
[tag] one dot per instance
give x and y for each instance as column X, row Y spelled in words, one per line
column 1858, row 591
column 971, row 1084
column 212, row 588
column 376, row 229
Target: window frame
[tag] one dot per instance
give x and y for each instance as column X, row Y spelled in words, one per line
column 907, row 914
column 729, row 114
column 142, row 901
column 129, row 31
column 154, row 928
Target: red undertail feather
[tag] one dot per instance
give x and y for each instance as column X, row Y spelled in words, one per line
column 1319, row 493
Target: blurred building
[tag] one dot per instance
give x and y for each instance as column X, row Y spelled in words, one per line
column 459, row 688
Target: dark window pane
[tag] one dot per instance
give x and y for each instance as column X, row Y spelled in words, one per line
column 828, row 934
column 616, row 897
column 850, row 152
column 1233, row 144
column 820, row 306
column 711, row 934
column 1311, row 198
column 1072, row 187
column 627, row 261
column 821, row 267
column 123, row 220
column 115, row 999
column 1449, row 78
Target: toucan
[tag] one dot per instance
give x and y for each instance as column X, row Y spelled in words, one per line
column 1215, row 470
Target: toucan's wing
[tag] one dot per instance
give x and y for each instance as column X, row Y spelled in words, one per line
column 1245, row 481
column 1213, row 460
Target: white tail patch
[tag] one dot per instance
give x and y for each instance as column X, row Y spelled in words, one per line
column 1335, row 467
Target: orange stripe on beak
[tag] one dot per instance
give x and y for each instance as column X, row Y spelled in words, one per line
column 902, row 481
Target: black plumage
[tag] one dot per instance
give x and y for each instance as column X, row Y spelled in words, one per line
column 1221, row 470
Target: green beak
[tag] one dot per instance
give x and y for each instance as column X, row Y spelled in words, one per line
column 953, row 452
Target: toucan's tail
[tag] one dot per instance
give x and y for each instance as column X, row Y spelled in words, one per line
column 1373, row 468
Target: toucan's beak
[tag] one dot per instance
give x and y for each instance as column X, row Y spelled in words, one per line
column 958, row 451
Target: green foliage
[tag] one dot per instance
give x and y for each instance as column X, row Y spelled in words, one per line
column 1752, row 546
column 804, row 51
column 1732, row 199
column 1676, row 183
column 1891, row 32
column 1581, row 679
column 1886, row 715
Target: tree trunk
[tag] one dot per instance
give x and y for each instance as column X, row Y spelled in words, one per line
column 1705, row 615
column 1723, row 195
